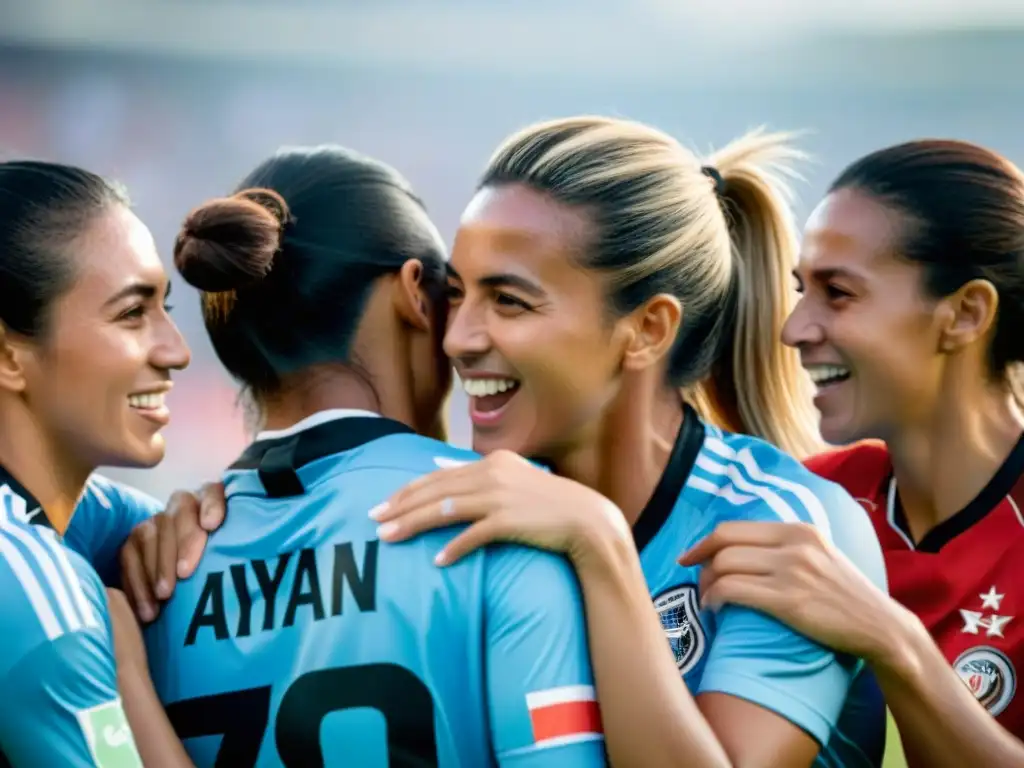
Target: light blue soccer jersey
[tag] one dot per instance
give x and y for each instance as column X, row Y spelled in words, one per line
column 60, row 704
column 303, row 640
column 104, row 517
column 715, row 477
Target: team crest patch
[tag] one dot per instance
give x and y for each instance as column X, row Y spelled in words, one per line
column 679, row 611
column 109, row 737
column 989, row 675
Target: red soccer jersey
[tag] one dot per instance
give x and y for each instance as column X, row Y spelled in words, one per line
column 964, row 579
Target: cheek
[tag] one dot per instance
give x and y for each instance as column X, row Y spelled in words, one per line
column 564, row 366
column 101, row 365
column 71, row 396
column 893, row 353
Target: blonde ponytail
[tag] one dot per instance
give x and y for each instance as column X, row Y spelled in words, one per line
column 661, row 230
column 758, row 386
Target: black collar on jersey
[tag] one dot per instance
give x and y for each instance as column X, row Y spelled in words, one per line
column 666, row 494
column 36, row 515
column 278, row 459
column 1002, row 482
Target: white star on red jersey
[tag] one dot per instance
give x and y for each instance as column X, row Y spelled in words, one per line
column 994, row 625
column 975, row 621
column 991, row 599
column 972, row 620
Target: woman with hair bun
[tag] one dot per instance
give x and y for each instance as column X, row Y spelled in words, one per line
column 322, row 284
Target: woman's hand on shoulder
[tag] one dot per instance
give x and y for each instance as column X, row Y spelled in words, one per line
column 791, row 572
column 504, row 498
column 167, row 547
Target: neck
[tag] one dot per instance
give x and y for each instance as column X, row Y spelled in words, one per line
column 942, row 464
column 624, row 456
column 337, row 386
column 317, row 390
column 48, row 472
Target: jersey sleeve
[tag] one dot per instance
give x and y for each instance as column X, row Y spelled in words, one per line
column 105, row 515
column 756, row 658
column 761, row 660
column 67, row 710
column 57, row 662
column 540, row 686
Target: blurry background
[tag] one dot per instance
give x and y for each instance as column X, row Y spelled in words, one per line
column 180, row 98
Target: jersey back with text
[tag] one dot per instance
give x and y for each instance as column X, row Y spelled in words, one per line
column 964, row 579
column 304, row 640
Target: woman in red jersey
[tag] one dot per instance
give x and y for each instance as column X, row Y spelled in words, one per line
column 912, row 282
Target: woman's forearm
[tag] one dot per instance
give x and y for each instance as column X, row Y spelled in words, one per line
column 940, row 721
column 156, row 740
column 662, row 727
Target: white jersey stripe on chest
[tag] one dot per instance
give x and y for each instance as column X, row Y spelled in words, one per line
column 46, row 561
column 764, row 485
column 34, row 591
column 45, row 606
column 726, row 491
column 60, row 557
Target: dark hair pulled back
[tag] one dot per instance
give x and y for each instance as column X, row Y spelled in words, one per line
column 285, row 265
column 44, row 207
column 963, row 207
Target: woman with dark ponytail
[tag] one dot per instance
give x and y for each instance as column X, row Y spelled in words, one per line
column 912, row 275
column 87, row 353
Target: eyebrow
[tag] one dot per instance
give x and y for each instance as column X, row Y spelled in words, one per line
column 505, row 280
column 828, row 273
column 142, row 290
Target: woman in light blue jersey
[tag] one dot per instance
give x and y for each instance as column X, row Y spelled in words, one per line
column 87, row 350
column 600, row 270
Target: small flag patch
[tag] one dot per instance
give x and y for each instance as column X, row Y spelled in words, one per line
column 564, row 715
